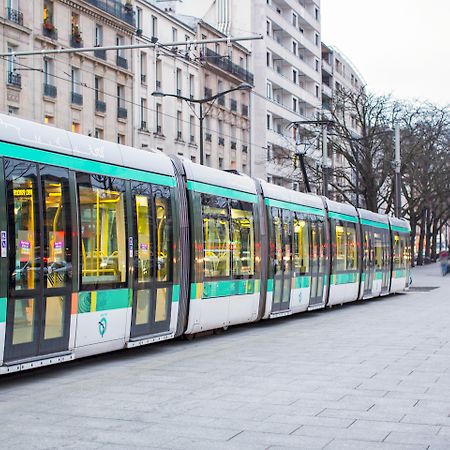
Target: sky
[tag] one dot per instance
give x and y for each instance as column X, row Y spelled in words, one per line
column 401, row 47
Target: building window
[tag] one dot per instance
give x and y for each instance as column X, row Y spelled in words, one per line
column 98, row 36
column 139, row 20
column 316, row 65
column 294, row 76
column 143, row 114
column 268, row 59
column 317, row 91
column 316, row 13
column 49, row 120
column 294, row 19
column 220, row 163
column 98, row 133
column 178, row 81
column 158, row 118
column 191, row 86
column 179, row 125
column 143, row 67
column 154, row 27
column 208, row 160
column 158, row 74
column 316, row 39
column 268, row 28
column 294, row 47
column 49, row 70
column 269, row 121
column 192, row 129
column 120, row 41
column 76, row 127
column 76, row 85
column 120, row 96
column 120, row 139
column 294, row 104
column 98, row 89
column 174, row 35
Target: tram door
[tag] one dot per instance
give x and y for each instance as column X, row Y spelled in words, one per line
column 386, row 260
column 369, row 261
column 40, row 250
column 152, row 291
column 318, row 262
column 282, row 263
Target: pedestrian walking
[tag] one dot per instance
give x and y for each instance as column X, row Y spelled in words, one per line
column 443, row 259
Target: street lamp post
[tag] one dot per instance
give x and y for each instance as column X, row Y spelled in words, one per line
column 201, row 102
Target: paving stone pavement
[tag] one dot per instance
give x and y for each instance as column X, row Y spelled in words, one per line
column 371, row 375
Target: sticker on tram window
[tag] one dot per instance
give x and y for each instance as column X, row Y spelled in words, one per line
column 3, row 244
column 130, row 246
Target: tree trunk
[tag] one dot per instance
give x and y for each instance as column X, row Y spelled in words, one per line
column 412, row 243
column 434, row 239
column 428, row 236
column 421, row 238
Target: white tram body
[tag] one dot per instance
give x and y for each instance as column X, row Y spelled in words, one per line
column 105, row 247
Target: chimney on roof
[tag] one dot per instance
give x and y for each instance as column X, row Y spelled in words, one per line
column 169, row 6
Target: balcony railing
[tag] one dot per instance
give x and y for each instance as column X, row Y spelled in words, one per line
column 77, row 99
column 15, row 79
column 208, row 137
column 244, row 149
column 100, row 106
column 233, row 105
column 245, row 110
column 122, row 62
column 49, row 30
column 222, row 141
column 117, row 9
column 233, row 145
column 122, row 113
column 208, row 92
column 99, row 53
column 14, row 16
column 50, row 90
column 223, row 62
column 76, row 41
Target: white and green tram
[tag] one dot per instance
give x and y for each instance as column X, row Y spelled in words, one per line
column 105, row 247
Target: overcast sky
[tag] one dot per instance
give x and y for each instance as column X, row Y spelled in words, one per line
column 399, row 46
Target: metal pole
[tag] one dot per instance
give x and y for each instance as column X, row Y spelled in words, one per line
column 325, row 160
column 201, row 133
column 129, row 46
column 397, row 164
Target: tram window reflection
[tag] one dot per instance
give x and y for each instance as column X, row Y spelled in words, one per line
column 163, row 233
column 301, row 245
column 102, row 222
column 243, row 239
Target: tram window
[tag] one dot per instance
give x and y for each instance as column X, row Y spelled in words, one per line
column 277, row 245
column 351, row 246
column 163, row 232
column 400, row 248
column 216, row 235
column 102, row 222
column 378, row 251
column 301, row 245
column 243, row 239
column 144, row 241
column 57, row 235
column 340, row 263
column 22, row 201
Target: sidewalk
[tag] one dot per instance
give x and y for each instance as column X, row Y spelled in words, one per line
column 370, row 375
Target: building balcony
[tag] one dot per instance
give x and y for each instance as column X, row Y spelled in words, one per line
column 77, row 99
column 221, row 141
column 76, row 41
column 222, row 62
column 122, row 62
column 326, row 66
column 233, row 145
column 49, row 30
column 117, row 9
column 122, row 113
column 326, row 91
column 14, row 15
column 244, row 149
column 50, row 90
column 99, row 53
column 15, row 79
column 100, row 106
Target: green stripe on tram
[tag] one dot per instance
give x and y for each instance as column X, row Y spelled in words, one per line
column 302, row 281
column 401, row 273
column 339, row 216
column 175, row 293
column 294, row 207
column 3, row 303
column 104, row 300
column 372, row 223
column 82, row 165
column 225, row 288
column 399, row 229
column 270, row 285
column 211, row 189
column 344, row 278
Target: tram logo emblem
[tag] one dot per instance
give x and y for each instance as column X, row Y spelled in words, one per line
column 102, row 324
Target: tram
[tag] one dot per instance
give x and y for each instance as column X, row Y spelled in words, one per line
column 105, row 247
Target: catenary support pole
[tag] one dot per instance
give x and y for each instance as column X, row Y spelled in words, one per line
column 397, row 164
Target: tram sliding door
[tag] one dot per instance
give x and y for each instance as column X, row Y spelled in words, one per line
column 318, row 262
column 39, row 277
column 153, row 271
column 368, row 260
column 282, row 262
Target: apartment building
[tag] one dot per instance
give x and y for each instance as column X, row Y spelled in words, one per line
column 340, row 75
column 165, row 123
column 87, row 93
column 286, row 67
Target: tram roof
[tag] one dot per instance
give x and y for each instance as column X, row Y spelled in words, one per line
column 216, row 177
column 342, row 208
column 402, row 223
column 18, row 131
column 370, row 215
column 288, row 195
